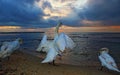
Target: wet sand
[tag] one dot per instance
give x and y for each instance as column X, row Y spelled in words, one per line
column 25, row 64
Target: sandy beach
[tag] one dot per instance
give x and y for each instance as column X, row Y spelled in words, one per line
column 25, row 64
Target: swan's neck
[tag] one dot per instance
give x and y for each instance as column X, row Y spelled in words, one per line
column 57, row 29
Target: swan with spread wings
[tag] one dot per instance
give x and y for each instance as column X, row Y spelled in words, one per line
column 56, row 46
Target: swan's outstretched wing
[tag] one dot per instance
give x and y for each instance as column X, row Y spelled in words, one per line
column 108, row 62
column 60, row 42
column 69, row 42
column 63, row 41
column 43, row 41
column 51, row 55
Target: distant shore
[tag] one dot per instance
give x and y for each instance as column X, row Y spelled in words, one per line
column 19, row 32
column 25, row 64
column 43, row 32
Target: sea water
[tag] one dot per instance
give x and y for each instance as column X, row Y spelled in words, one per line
column 87, row 47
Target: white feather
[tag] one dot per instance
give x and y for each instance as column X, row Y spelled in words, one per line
column 43, row 42
column 63, row 41
column 107, row 61
column 60, row 42
column 69, row 42
column 51, row 52
column 8, row 48
column 51, row 55
column 56, row 46
column 44, row 39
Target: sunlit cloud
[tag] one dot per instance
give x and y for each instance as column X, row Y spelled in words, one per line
column 21, row 29
column 59, row 8
column 51, row 14
column 10, row 27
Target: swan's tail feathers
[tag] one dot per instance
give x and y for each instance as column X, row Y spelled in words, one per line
column 50, row 56
column 116, row 69
column 45, row 61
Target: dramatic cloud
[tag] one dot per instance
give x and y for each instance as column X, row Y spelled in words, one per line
column 46, row 13
column 19, row 12
column 64, row 10
column 106, row 11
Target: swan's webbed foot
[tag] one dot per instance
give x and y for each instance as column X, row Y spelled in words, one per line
column 101, row 68
column 54, row 63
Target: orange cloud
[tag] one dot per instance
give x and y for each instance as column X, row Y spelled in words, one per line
column 90, row 29
column 115, row 27
column 9, row 27
column 63, row 28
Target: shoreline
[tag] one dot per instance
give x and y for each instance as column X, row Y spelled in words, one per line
column 25, row 64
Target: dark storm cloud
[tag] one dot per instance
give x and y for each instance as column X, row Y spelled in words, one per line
column 100, row 12
column 107, row 11
column 19, row 12
column 46, row 4
column 26, row 14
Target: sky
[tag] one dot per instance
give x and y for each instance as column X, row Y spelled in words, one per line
column 74, row 14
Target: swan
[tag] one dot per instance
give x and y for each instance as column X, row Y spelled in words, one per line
column 8, row 48
column 56, row 46
column 106, row 60
column 44, row 42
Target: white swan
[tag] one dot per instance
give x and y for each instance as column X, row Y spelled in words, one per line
column 106, row 60
column 56, row 46
column 44, row 42
column 8, row 48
